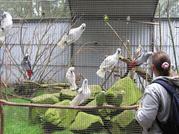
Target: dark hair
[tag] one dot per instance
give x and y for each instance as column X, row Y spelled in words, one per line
column 162, row 63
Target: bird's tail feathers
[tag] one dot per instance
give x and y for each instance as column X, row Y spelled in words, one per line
column 101, row 73
column 61, row 44
column 75, row 101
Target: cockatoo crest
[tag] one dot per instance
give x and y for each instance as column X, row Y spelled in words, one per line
column 118, row 51
column 84, row 88
column 71, row 69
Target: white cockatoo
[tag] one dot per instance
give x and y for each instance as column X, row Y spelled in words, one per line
column 108, row 63
column 142, row 58
column 84, row 93
column 5, row 24
column 71, row 78
column 6, row 21
column 72, row 36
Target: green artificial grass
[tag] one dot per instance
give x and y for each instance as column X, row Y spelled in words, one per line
column 16, row 120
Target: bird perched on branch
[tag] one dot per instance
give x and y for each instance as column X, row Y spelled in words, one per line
column 6, row 20
column 26, row 65
column 141, row 59
column 106, row 18
column 70, row 76
column 108, row 63
column 5, row 24
column 72, row 36
column 84, row 93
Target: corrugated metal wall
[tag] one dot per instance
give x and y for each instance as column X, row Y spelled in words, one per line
column 98, row 37
column 166, row 38
column 36, row 39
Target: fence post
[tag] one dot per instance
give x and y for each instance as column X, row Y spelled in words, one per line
column 1, row 119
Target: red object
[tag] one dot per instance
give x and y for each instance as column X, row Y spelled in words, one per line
column 29, row 73
column 132, row 64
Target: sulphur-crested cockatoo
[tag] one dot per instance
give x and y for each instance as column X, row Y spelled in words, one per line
column 71, row 78
column 83, row 94
column 6, row 21
column 108, row 63
column 72, row 36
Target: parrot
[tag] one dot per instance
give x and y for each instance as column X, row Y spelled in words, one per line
column 108, row 63
column 142, row 58
column 72, row 36
column 26, row 65
column 70, row 76
column 100, row 98
column 83, row 94
column 6, row 20
column 106, row 18
column 128, row 18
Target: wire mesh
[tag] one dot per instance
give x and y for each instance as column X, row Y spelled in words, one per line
column 97, row 42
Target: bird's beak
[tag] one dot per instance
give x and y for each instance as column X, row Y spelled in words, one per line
column 4, row 16
column 118, row 52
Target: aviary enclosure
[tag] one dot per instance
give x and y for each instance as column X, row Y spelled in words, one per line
column 39, row 97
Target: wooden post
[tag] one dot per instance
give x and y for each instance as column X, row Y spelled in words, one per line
column 1, row 120
column 72, row 58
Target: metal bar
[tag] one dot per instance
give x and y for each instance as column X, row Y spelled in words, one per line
column 1, row 120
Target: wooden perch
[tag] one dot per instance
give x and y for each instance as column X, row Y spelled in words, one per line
column 56, row 85
column 143, row 74
column 3, row 102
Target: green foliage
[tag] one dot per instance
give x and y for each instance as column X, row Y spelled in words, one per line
column 100, row 98
column 67, row 94
column 127, row 88
column 84, row 121
column 38, row 113
column 61, row 117
column 47, row 98
column 95, row 89
column 124, row 119
column 17, row 121
column 63, row 132
column 26, row 8
column 114, row 98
